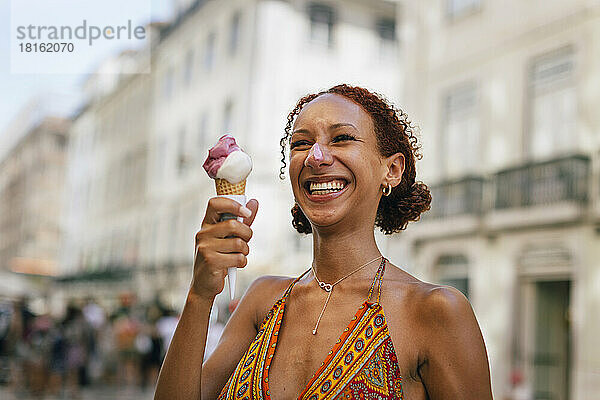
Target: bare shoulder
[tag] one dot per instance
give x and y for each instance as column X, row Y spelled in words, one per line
column 430, row 304
column 264, row 292
column 439, row 304
column 440, row 340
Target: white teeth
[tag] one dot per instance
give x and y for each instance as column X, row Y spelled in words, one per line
column 331, row 185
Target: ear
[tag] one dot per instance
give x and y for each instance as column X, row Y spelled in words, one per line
column 395, row 165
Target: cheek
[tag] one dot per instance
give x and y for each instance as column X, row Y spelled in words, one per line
column 370, row 173
column 296, row 162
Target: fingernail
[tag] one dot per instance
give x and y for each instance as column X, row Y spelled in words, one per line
column 245, row 211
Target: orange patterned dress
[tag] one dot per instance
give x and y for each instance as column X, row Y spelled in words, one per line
column 361, row 365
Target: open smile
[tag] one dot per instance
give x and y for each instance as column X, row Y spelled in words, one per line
column 324, row 189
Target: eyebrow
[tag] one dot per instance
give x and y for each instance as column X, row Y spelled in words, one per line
column 331, row 127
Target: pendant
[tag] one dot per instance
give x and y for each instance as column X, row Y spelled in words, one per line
column 326, row 286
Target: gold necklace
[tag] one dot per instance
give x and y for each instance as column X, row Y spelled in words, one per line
column 328, row 287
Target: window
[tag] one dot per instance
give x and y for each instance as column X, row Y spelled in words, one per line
column 153, row 246
column 174, row 228
column 552, row 105
column 227, row 117
column 161, row 157
column 209, row 51
column 60, row 140
column 202, row 133
column 458, row 8
column 386, row 31
column 321, row 24
column 452, row 270
column 168, row 83
column 182, row 160
column 234, row 33
column 461, row 130
column 188, row 67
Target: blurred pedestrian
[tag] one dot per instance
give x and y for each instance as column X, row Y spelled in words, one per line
column 20, row 327
column 521, row 388
column 96, row 318
column 76, row 332
column 40, row 348
column 149, row 345
column 126, row 328
column 166, row 326
column 8, row 339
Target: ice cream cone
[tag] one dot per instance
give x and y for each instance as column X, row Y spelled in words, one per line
column 224, row 187
column 227, row 162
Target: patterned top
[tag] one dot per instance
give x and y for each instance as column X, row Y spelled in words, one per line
column 361, row 365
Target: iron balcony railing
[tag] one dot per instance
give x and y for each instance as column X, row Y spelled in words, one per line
column 543, row 183
column 564, row 179
column 462, row 197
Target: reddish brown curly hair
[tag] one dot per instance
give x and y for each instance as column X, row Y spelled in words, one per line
column 395, row 134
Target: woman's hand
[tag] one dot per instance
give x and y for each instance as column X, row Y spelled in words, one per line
column 221, row 244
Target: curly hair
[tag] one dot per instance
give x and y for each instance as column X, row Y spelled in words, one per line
column 395, row 134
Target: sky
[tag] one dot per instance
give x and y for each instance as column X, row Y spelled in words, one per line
column 17, row 89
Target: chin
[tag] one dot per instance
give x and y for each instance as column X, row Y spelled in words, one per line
column 327, row 218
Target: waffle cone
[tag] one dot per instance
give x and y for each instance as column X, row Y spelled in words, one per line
column 224, row 187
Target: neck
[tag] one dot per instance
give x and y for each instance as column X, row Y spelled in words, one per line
column 336, row 255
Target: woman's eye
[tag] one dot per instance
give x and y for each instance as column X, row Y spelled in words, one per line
column 343, row 137
column 299, row 143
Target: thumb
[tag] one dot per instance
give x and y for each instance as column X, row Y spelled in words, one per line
column 253, row 206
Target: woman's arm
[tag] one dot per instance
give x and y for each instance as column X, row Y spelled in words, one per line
column 219, row 245
column 239, row 332
column 455, row 363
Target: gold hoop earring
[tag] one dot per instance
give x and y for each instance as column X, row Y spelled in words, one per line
column 387, row 190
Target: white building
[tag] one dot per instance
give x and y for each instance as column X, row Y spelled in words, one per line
column 506, row 94
column 239, row 67
column 106, row 186
column 32, row 165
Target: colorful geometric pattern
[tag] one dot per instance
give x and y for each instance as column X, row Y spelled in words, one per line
column 361, row 365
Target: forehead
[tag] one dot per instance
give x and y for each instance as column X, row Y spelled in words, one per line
column 329, row 109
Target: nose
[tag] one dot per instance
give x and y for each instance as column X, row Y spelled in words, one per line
column 318, row 156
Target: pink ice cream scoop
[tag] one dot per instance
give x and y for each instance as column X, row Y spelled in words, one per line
column 226, row 160
column 218, row 153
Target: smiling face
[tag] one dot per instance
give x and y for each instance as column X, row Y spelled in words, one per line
column 335, row 166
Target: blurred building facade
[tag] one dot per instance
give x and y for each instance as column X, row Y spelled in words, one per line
column 32, row 191
column 107, row 191
column 506, row 95
column 137, row 187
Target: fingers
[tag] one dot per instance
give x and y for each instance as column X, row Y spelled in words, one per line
column 225, row 229
column 232, row 245
column 237, row 260
column 216, row 261
column 222, row 205
column 252, row 205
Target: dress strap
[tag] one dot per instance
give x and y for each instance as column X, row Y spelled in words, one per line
column 378, row 279
column 289, row 289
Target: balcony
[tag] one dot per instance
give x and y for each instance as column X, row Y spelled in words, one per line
column 463, row 197
column 455, row 209
column 534, row 194
column 544, row 183
column 542, row 193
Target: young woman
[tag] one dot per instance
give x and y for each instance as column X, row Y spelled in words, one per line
column 353, row 325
